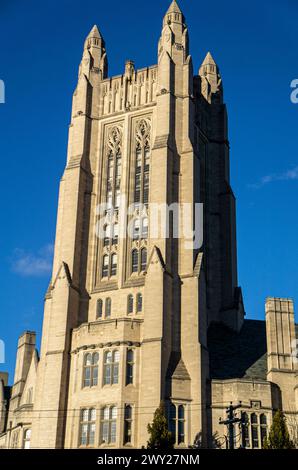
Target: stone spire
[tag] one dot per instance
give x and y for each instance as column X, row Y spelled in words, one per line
column 211, row 79
column 94, row 55
column 174, row 14
column 174, row 38
column 94, row 39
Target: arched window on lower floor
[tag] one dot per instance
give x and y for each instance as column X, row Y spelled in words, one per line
column 254, row 431
column 134, row 261
column 129, row 366
column 245, row 424
column 87, row 427
column 99, row 306
column 90, row 374
column 129, row 304
column 114, row 263
column 139, row 302
column 108, row 424
column 177, row 422
column 105, row 266
column 127, row 424
column 263, row 424
column 27, row 438
column 108, row 307
column 181, row 424
column 143, row 259
column 111, row 367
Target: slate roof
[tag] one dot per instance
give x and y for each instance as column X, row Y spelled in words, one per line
column 239, row 355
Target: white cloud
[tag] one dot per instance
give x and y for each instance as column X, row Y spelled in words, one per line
column 33, row 264
column 289, row 175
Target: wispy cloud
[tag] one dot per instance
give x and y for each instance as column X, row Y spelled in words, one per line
column 289, row 175
column 33, row 264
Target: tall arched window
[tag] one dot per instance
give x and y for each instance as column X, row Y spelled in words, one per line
column 254, row 431
column 177, row 422
column 87, row 427
column 114, row 167
column 142, row 165
column 246, row 439
column 143, row 259
column 263, row 423
column 108, row 307
column 181, row 421
column 129, row 366
column 134, row 261
column 138, row 171
column 27, row 438
column 172, row 421
column 90, row 374
column 87, row 370
column 111, row 367
column 127, row 424
column 115, row 367
column 139, row 302
column 114, row 264
column 129, row 304
column 146, row 176
column 108, row 424
column 105, row 266
column 99, row 306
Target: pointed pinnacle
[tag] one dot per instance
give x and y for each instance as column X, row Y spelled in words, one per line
column 209, row 60
column 94, row 33
column 174, row 8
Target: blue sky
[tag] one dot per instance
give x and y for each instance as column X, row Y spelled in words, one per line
column 255, row 46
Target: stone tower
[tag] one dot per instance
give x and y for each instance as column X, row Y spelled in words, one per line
column 143, row 303
column 126, row 317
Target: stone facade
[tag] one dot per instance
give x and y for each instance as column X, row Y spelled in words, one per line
column 131, row 321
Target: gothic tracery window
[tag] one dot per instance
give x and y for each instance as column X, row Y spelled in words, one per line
column 138, row 255
column 142, row 162
column 112, row 200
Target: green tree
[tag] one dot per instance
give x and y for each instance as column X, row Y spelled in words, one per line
column 160, row 436
column 279, row 437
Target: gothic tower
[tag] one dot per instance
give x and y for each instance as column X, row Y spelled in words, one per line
column 126, row 316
